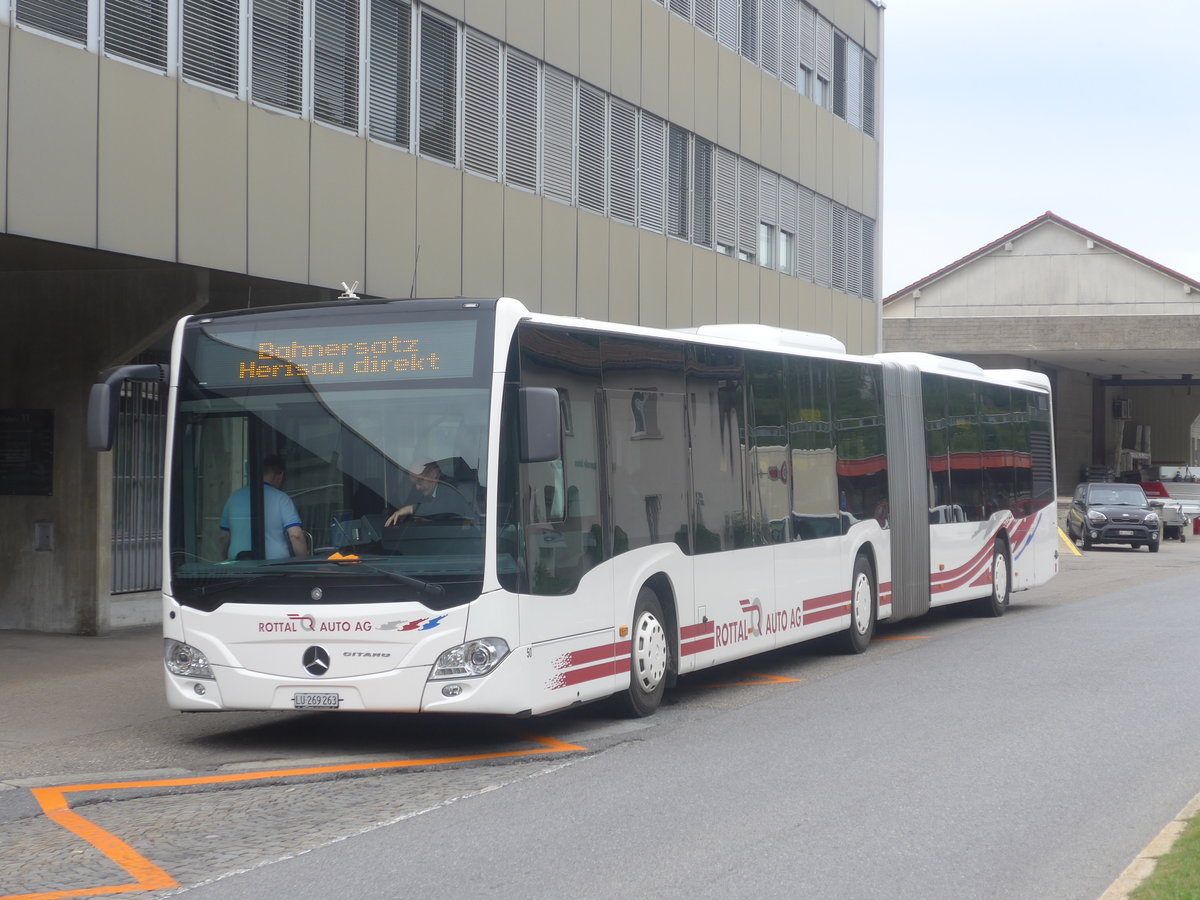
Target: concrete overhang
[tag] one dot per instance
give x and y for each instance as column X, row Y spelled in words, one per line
column 1134, row 348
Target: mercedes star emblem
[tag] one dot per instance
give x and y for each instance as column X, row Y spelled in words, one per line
column 316, row 661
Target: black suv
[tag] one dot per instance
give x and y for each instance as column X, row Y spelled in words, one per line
column 1112, row 513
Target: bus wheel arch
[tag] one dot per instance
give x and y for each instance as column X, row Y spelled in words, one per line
column 864, row 603
column 652, row 650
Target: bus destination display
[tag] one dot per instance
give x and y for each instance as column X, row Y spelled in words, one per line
column 336, row 354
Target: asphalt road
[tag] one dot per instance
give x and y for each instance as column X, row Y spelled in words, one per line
column 1027, row 757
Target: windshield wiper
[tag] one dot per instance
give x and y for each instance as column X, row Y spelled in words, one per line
column 436, row 591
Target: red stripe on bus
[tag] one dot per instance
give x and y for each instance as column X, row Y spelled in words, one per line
column 690, row 631
column 589, row 673
column 590, row 655
column 699, row 646
column 833, row 612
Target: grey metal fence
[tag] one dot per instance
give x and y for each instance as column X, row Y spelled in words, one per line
column 138, row 487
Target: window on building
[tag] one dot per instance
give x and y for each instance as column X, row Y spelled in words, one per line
column 822, row 238
column 558, row 135
column 766, row 245
column 623, row 162
column 277, row 53
column 65, row 18
column 209, row 51
column 651, row 171
column 389, row 66
column 769, row 44
column 678, row 180
column 785, row 246
column 728, row 23
column 593, row 149
column 868, row 258
column 726, row 212
column 702, row 192
column 868, row 78
column 481, row 104
column 804, row 233
column 137, row 30
column 789, row 41
column 749, row 30
column 706, row 16
column 838, row 248
column 823, row 58
column 520, row 120
column 768, row 217
column 335, row 63
column 437, row 126
column 747, row 210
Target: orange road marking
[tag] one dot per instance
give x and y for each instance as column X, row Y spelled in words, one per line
column 149, row 877
column 766, row 679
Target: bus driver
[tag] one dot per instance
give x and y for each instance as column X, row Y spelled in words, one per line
column 431, row 496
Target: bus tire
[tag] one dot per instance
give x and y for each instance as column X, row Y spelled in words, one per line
column 996, row 602
column 649, row 657
column 857, row 637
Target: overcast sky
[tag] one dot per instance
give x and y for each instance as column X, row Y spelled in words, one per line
column 996, row 112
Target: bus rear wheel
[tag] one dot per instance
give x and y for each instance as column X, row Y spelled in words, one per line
column 649, row 657
column 862, row 608
column 996, row 603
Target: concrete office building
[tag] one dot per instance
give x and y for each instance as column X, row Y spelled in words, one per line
column 671, row 163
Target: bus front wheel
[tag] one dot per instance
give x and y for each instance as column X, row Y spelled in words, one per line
column 649, row 657
column 862, row 608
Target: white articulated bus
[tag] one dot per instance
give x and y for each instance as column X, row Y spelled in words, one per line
column 508, row 512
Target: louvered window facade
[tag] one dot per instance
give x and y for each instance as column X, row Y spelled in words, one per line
column 678, row 180
column 702, row 192
column 747, row 210
column 520, row 120
column 749, row 30
column 137, row 30
column 804, row 233
column 437, row 124
column 725, row 213
column 558, row 136
column 769, row 50
column 593, row 149
column 335, row 62
column 277, row 53
column 389, row 67
column 651, row 171
column 481, row 104
column 506, row 116
column 209, row 47
column 728, row 23
column 65, row 18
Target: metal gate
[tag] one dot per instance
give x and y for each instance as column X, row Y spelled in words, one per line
column 138, row 487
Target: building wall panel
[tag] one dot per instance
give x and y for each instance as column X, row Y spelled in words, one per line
column 559, row 261
column 705, row 87
column 52, row 143
column 523, row 248
column 679, row 285
column 682, row 87
column 655, row 60
column 277, row 196
column 562, row 34
column 337, row 239
column 652, row 279
column 439, row 230
column 623, row 272
column 482, row 238
column 391, row 222
column 525, row 24
column 137, row 161
column 593, row 251
column 627, row 50
column 212, row 180
column 595, row 43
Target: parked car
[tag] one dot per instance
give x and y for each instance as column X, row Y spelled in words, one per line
column 1113, row 513
column 1172, row 513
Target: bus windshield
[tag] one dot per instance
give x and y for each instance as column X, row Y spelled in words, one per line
column 348, row 450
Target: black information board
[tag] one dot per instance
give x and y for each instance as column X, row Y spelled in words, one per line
column 27, row 452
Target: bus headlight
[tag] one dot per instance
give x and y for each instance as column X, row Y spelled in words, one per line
column 471, row 659
column 186, row 660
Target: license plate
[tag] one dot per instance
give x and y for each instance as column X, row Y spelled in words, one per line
column 1125, row 533
column 316, row 701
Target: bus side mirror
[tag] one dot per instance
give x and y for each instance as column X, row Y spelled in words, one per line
column 104, row 401
column 541, row 428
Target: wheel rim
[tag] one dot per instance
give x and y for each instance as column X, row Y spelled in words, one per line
column 649, row 654
column 1000, row 578
column 862, row 604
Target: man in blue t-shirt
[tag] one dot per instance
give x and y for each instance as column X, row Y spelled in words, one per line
column 282, row 533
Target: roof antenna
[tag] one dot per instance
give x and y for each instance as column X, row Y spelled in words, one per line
column 348, row 292
column 412, row 291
